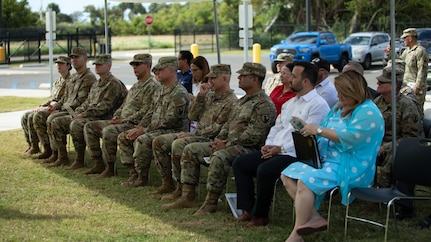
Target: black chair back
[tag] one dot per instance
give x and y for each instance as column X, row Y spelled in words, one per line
column 412, row 162
column 427, row 123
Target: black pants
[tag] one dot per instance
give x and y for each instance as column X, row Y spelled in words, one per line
column 409, row 190
column 247, row 166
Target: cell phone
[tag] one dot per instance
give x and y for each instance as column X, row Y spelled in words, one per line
column 297, row 124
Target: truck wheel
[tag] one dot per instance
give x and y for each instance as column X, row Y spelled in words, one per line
column 343, row 61
column 274, row 67
column 367, row 62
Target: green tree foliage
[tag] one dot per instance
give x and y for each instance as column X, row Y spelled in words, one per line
column 17, row 14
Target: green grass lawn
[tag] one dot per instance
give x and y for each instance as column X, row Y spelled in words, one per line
column 8, row 104
column 53, row 204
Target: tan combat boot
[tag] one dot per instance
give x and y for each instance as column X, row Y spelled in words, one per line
column 108, row 172
column 98, row 167
column 47, row 152
column 187, row 199
column 133, row 175
column 210, row 204
column 62, row 158
column 167, row 186
column 175, row 194
column 79, row 160
column 34, row 149
column 52, row 158
column 142, row 179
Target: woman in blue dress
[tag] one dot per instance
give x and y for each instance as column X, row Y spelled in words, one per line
column 349, row 139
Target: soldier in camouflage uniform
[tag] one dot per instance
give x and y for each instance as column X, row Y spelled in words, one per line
column 63, row 67
column 75, row 93
column 416, row 65
column 211, row 108
column 168, row 115
column 136, row 104
column 282, row 60
column 106, row 95
column 408, row 119
column 245, row 131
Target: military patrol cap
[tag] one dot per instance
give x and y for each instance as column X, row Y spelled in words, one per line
column 78, row 51
column 102, row 59
column 284, row 57
column 398, row 63
column 409, row 32
column 321, row 63
column 63, row 59
column 219, row 69
column 165, row 62
column 142, row 58
column 386, row 74
column 251, row 68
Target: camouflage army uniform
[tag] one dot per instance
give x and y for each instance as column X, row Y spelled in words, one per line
column 211, row 110
column 75, row 93
column 408, row 125
column 245, row 132
column 136, row 104
column 27, row 123
column 168, row 115
column 416, row 70
column 271, row 83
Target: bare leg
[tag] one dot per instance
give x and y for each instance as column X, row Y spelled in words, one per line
column 290, row 185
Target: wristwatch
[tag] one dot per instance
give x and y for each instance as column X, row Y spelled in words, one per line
column 282, row 149
column 319, row 130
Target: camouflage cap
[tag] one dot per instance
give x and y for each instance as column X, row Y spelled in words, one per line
column 166, row 61
column 102, row 59
column 251, row 68
column 282, row 57
column 142, row 58
column 387, row 72
column 219, row 69
column 398, row 63
column 78, row 51
column 63, row 59
column 409, row 32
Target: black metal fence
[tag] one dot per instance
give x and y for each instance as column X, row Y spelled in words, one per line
column 29, row 45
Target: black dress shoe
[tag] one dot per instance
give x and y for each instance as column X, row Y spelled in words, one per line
column 424, row 224
column 404, row 213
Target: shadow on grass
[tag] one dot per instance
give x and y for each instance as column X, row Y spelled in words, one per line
column 8, row 213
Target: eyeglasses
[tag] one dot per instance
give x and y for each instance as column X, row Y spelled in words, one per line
column 136, row 63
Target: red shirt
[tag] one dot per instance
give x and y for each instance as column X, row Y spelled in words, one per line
column 278, row 97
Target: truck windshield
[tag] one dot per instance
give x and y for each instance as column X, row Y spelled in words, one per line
column 303, row 39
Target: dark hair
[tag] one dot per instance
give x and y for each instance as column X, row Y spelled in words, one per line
column 290, row 66
column 202, row 64
column 185, row 54
column 310, row 71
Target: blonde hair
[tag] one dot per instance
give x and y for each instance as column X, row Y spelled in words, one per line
column 353, row 85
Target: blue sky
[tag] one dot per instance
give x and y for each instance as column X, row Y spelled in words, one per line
column 68, row 6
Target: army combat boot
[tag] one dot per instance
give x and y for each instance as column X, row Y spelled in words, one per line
column 108, row 172
column 133, row 175
column 187, row 199
column 52, row 158
column 167, row 186
column 34, row 149
column 62, row 158
column 210, row 204
column 175, row 194
column 98, row 167
column 47, row 152
column 79, row 160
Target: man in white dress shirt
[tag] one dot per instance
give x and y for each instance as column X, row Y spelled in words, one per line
column 324, row 87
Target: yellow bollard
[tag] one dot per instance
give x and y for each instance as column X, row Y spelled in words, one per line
column 2, row 54
column 256, row 53
column 194, row 48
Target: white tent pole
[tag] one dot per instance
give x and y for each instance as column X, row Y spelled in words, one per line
column 106, row 28
column 394, row 83
column 216, row 31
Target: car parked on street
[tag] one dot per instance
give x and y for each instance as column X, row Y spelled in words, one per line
column 368, row 47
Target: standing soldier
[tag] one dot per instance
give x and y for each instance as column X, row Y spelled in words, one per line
column 245, row 131
column 416, row 65
column 135, row 106
column 106, row 96
column 63, row 67
column 211, row 109
column 76, row 91
column 168, row 115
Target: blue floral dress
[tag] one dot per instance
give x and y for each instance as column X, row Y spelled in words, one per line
column 350, row 163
